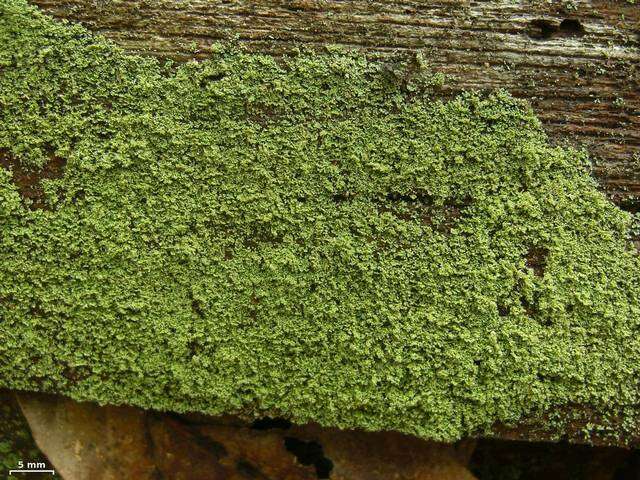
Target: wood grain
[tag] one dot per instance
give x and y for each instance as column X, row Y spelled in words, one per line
column 576, row 61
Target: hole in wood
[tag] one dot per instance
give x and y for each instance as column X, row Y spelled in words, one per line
column 571, row 27
column 542, row 29
column 310, row 453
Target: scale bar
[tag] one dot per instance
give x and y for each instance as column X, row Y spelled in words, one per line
column 52, row 472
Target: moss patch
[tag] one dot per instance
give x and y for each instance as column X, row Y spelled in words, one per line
column 314, row 237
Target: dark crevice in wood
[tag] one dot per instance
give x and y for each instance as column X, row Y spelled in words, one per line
column 536, row 260
column 268, row 423
column 630, row 204
column 571, row 27
column 543, row 29
column 310, row 453
column 28, row 181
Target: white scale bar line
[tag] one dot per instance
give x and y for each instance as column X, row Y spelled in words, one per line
column 52, row 472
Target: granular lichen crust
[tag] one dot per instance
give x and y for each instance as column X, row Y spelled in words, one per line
column 314, row 236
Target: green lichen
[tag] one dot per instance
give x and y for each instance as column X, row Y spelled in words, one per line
column 314, row 236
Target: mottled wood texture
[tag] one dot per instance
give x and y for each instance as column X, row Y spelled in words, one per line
column 85, row 441
column 576, row 61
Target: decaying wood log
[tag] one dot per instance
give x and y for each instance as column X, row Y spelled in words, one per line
column 576, row 61
column 87, row 442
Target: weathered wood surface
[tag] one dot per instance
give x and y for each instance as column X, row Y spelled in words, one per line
column 85, row 441
column 577, row 61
